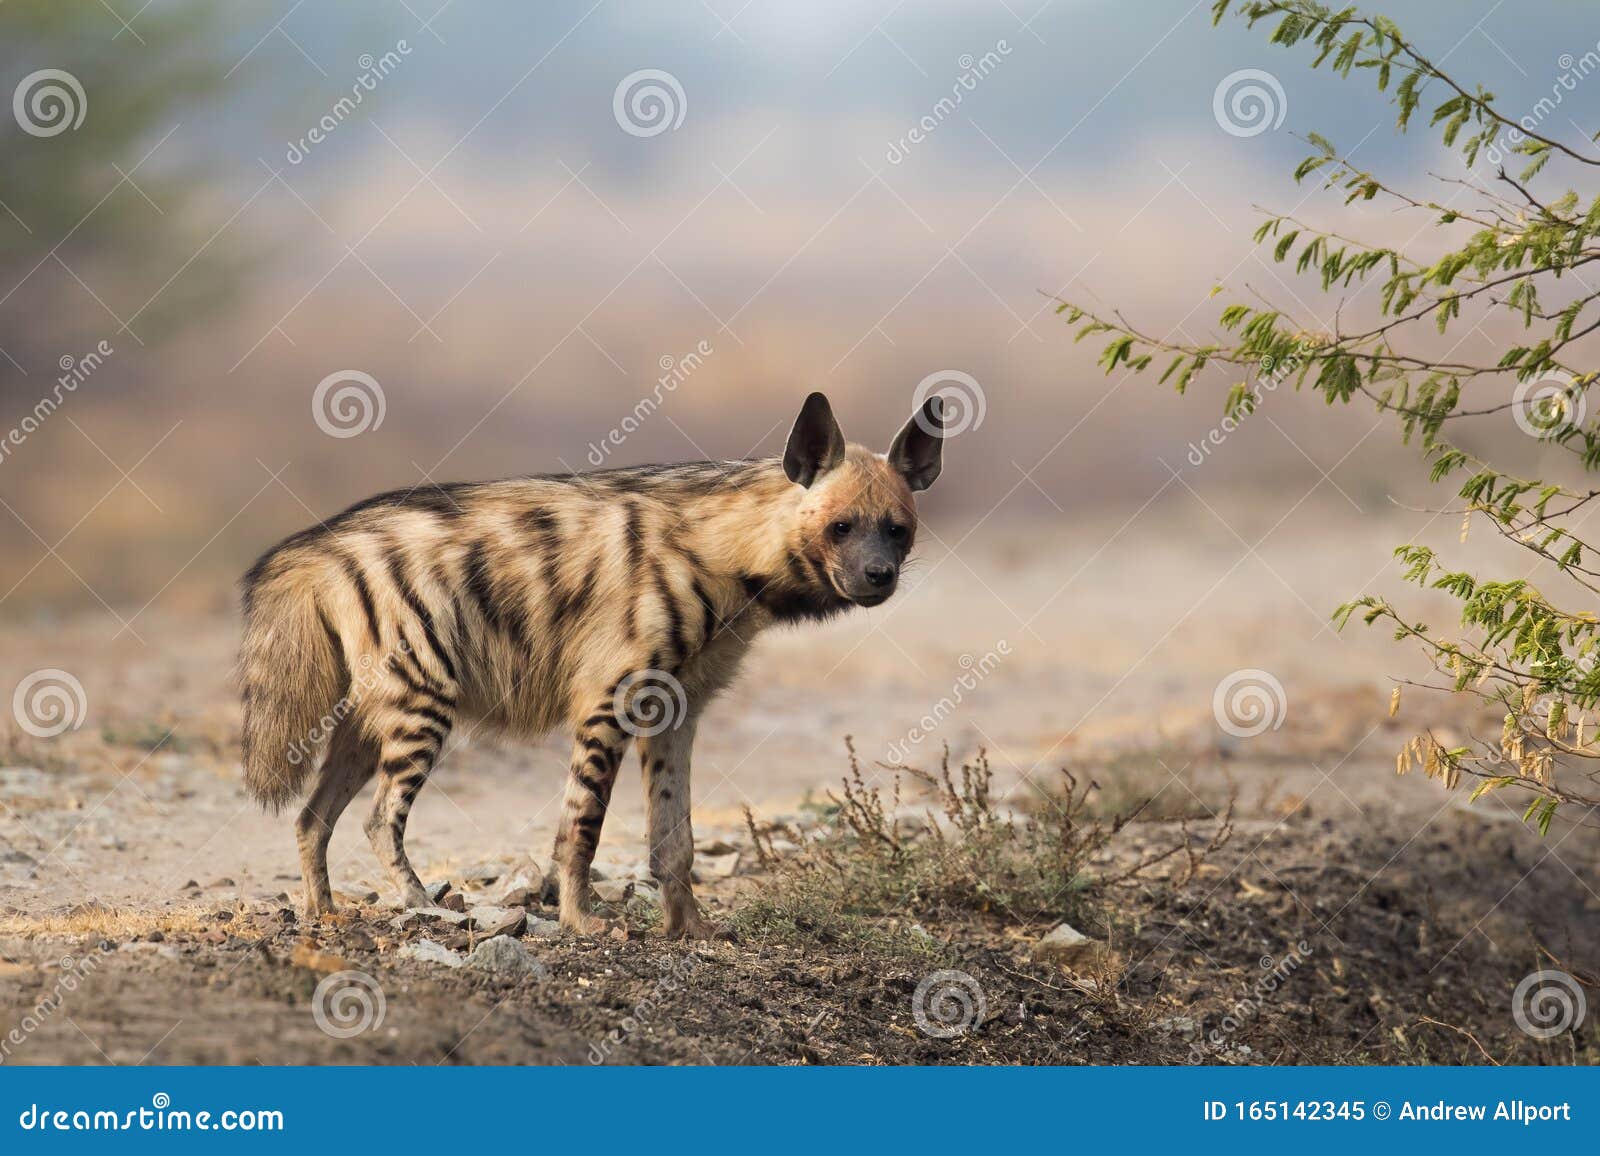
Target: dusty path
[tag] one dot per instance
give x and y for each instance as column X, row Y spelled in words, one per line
column 1092, row 646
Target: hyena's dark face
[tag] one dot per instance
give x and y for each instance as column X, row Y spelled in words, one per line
column 858, row 521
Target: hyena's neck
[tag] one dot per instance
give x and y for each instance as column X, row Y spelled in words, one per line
column 746, row 522
column 749, row 530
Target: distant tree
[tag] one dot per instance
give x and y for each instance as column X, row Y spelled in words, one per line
column 80, row 99
column 1514, row 248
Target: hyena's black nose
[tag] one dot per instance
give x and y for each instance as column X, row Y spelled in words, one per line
column 879, row 573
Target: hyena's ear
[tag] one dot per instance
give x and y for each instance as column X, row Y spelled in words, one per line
column 915, row 452
column 816, row 444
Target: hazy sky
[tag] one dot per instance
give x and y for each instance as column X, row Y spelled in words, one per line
column 485, row 238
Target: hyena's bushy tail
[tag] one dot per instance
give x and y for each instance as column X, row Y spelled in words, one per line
column 293, row 675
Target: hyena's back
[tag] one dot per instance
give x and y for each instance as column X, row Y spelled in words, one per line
column 508, row 602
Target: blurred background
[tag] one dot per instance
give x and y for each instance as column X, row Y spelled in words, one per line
column 466, row 203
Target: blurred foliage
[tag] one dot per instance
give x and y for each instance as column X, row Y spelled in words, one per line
column 63, row 193
column 1510, row 245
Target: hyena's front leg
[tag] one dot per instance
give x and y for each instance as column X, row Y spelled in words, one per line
column 596, row 753
column 665, row 758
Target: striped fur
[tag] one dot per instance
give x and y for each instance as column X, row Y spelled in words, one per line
column 543, row 602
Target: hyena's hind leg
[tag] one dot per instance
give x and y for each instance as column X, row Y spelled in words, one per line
column 665, row 760
column 415, row 735
column 350, row 762
column 596, row 753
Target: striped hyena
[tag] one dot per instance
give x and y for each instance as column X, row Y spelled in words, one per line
column 617, row 603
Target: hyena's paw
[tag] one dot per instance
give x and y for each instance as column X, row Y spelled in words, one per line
column 696, row 926
column 586, row 924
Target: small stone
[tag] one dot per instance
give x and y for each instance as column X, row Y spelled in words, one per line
column 714, row 847
column 484, row 873
column 439, row 915
column 483, row 914
column 223, row 882
column 404, row 920
column 192, row 885
column 1179, row 1026
column 520, row 897
column 223, row 916
column 1074, row 950
column 543, row 928
column 494, row 921
column 455, row 901
column 717, row 866
column 427, row 951
column 613, row 890
column 506, row 956
column 157, row 936
column 437, row 891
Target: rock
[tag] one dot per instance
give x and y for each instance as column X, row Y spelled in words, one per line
column 192, row 885
column 506, row 956
column 496, row 921
column 707, row 867
column 157, row 936
column 1073, row 950
column 437, row 891
column 223, row 916
column 223, row 882
column 455, row 901
column 520, row 897
column 543, row 928
column 613, row 890
column 427, row 951
column 404, row 920
column 714, row 847
column 484, row 873
column 1179, row 1026
column 439, row 915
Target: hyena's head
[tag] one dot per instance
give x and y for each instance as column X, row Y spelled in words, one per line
column 857, row 518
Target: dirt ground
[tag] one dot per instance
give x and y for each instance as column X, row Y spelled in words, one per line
column 148, row 910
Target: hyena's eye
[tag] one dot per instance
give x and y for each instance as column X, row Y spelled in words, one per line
column 840, row 529
column 896, row 532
